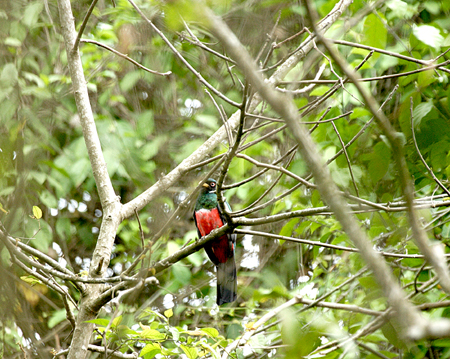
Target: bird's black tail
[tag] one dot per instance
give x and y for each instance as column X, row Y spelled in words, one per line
column 226, row 281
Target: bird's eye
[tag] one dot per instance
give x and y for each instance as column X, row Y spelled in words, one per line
column 212, row 184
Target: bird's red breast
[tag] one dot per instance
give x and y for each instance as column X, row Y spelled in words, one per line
column 207, row 221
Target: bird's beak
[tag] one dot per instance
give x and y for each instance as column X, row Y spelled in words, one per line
column 205, row 185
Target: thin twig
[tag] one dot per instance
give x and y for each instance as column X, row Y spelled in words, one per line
column 349, row 164
column 229, row 157
column 307, row 88
column 183, row 60
column 83, row 25
column 134, row 62
column 141, row 231
column 326, row 245
column 197, row 42
column 222, row 117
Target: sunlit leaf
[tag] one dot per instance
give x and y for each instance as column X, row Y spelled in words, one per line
column 190, row 352
column 150, row 350
column 31, row 13
column 429, row 35
column 168, row 313
column 420, row 111
column 152, row 334
column 212, row 332
column 99, row 321
column 37, row 212
column 116, row 321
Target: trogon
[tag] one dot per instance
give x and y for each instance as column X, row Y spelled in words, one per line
column 207, row 217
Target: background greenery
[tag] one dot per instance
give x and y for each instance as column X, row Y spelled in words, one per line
column 148, row 124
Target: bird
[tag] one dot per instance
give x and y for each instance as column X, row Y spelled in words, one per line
column 207, row 217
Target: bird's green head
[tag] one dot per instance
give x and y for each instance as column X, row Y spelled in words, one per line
column 208, row 197
column 209, row 186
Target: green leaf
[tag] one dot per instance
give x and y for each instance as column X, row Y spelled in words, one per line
column 207, row 120
column 39, row 177
column 320, row 90
column 56, row 318
column 401, row 9
column 150, row 350
column 152, row 334
column 368, row 282
column 99, row 321
column 212, row 332
column 444, row 343
column 145, row 123
column 168, row 313
column 11, row 41
column 375, row 33
column 420, row 111
column 37, row 212
column 433, row 7
column 181, row 10
column 288, row 228
column 30, row 279
column 359, row 112
column 129, row 80
column 426, row 78
column 391, row 332
column 9, row 75
column 187, row 149
column 446, row 231
column 116, row 321
column 79, row 171
column 150, row 149
column 190, row 352
column 379, row 164
column 33, row 78
column 48, row 199
column 175, row 333
column 446, row 42
column 41, row 232
column 429, row 35
column 31, row 14
column 181, row 273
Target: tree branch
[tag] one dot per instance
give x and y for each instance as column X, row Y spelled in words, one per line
column 110, row 202
column 433, row 252
column 198, row 155
column 407, row 315
column 134, row 62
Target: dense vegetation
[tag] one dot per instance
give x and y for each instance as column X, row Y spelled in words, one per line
column 292, row 253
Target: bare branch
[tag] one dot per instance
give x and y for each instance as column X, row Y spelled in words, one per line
column 99, row 169
column 99, row 349
column 325, row 245
column 83, row 24
column 110, row 202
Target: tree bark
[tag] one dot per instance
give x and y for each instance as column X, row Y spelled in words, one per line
column 110, row 202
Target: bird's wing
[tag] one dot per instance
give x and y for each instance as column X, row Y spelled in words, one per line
column 196, row 226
